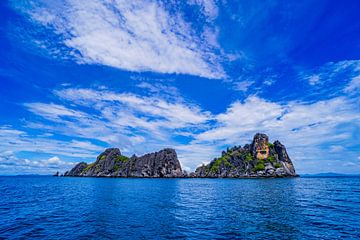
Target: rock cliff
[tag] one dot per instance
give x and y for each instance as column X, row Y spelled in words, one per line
column 111, row 163
column 259, row 159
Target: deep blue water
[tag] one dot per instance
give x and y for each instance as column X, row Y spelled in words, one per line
column 83, row 208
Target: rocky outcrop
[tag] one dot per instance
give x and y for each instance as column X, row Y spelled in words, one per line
column 77, row 170
column 111, row 163
column 259, row 159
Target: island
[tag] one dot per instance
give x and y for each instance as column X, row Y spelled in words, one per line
column 260, row 159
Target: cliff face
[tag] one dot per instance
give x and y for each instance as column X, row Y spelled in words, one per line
column 259, row 159
column 111, row 163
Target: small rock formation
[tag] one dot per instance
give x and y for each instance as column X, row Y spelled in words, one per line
column 259, row 159
column 56, row 174
column 111, row 163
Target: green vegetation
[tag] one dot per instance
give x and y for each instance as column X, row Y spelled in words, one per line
column 277, row 165
column 121, row 159
column 217, row 163
column 87, row 168
column 249, row 157
column 116, row 168
column 103, row 157
column 259, row 166
column 270, row 159
column 270, row 145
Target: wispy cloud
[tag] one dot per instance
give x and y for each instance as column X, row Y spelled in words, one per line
column 332, row 71
column 17, row 140
column 208, row 8
column 354, row 85
column 243, row 86
column 132, row 122
column 130, row 35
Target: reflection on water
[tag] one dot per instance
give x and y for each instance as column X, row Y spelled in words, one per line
column 72, row 208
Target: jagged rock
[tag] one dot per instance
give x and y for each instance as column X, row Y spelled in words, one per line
column 284, row 158
column 77, row 170
column 110, row 163
column 56, row 174
column 260, row 146
column 258, row 159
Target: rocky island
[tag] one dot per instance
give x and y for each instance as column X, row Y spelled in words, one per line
column 111, row 163
column 260, row 159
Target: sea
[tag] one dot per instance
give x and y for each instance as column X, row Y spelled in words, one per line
column 45, row 207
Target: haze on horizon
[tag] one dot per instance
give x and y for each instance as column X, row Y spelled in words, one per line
column 197, row 76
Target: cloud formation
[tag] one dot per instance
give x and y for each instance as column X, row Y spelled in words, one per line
column 130, row 35
column 9, row 164
column 16, row 140
column 140, row 124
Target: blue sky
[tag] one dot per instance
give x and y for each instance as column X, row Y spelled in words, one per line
column 196, row 75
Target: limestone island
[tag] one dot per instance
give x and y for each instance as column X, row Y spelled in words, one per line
column 260, row 159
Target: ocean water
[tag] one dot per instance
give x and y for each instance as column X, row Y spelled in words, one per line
column 99, row 208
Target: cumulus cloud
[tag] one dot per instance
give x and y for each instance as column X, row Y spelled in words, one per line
column 10, row 164
column 130, row 35
column 295, row 118
column 309, row 130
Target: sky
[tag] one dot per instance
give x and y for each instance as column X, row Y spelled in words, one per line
column 197, row 76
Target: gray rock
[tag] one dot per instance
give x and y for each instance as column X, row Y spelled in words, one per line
column 258, row 159
column 110, row 163
column 77, row 170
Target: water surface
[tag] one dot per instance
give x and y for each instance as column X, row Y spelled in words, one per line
column 82, row 208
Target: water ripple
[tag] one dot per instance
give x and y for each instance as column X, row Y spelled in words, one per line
column 83, row 208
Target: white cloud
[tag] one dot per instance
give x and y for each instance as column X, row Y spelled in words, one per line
column 208, row 8
column 249, row 116
column 338, row 72
column 194, row 154
column 354, row 85
column 337, row 149
column 162, row 90
column 135, row 124
column 269, row 82
column 163, row 113
column 15, row 140
column 313, row 79
column 10, row 164
column 307, row 129
column 243, row 86
column 139, row 124
column 52, row 111
column 130, row 35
